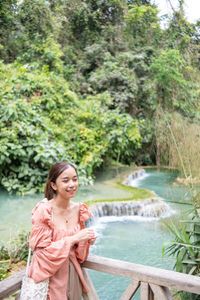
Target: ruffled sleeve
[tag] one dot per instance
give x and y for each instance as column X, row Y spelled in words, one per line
column 84, row 215
column 48, row 255
column 82, row 249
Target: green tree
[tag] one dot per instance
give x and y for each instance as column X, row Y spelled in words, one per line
column 142, row 25
column 116, row 77
column 9, row 27
column 35, row 17
column 170, row 88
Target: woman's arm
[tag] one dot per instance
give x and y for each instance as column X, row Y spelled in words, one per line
column 48, row 255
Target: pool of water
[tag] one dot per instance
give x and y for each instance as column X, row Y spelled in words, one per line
column 138, row 241
column 163, row 183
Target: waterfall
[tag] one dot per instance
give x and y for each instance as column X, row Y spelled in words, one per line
column 153, row 208
column 134, row 177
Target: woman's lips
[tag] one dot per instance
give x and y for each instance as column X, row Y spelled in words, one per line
column 71, row 192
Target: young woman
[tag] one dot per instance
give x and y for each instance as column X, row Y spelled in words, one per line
column 59, row 238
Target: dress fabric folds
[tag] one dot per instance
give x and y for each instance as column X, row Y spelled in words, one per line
column 53, row 251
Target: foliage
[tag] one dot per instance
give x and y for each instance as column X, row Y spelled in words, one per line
column 4, row 252
column 35, row 17
column 83, row 81
column 12, row 252
column 42, row 122
column 8, row 25
column 185, row 247
column 47, row 54
column 114, row 76
column 18, row 247
column 4, row 271
column 142, row 24
column 182, row 35
column 81, row 22
column 178, row 142
column 27, row 145
column 170, row 87
column 110, row 134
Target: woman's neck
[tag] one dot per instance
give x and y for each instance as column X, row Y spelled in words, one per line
column 61, row 203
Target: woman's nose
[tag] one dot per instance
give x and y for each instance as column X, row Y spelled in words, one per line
column 71, row 183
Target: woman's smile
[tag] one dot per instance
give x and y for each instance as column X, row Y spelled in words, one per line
column 71, row 192
column 66, row 184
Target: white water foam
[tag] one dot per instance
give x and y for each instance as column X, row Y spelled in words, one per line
column 99, row 224
column 146, row 214
column 153, row 208
column 135, row 178
column 111, row 219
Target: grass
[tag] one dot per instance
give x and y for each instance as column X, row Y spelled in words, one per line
column 136, row 194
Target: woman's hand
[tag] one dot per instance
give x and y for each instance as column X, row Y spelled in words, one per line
column 86, row 234
column 92, row 241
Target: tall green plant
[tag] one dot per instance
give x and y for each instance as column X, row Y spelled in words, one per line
column 185, row 247
column 178, row 142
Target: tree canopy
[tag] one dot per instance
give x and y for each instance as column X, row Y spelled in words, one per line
column 85, row 80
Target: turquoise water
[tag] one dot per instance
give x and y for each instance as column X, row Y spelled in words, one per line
column 15, row 211
column 134, row 239
column 163, row 183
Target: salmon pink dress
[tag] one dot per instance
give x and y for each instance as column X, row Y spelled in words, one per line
column 52, row 250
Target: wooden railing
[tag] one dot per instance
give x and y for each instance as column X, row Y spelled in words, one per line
column 154, row 283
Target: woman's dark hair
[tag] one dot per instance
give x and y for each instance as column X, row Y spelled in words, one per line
column 54, row 172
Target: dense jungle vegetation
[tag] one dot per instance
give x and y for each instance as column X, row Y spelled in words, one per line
column 93, row 82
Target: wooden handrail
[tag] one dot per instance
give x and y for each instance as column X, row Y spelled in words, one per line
column 153, row 281
column 143, row 273
column 11, row 284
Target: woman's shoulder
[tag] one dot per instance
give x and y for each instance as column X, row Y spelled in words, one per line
column 84, row 212
column 42, row 213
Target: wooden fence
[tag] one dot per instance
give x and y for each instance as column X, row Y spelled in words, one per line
column 154, row 283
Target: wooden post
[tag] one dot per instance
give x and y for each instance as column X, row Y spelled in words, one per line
column 144, row 293
column 161, row 292
column 130, row 291
column 92, row 295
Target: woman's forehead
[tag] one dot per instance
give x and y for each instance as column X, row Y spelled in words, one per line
column 69, row 172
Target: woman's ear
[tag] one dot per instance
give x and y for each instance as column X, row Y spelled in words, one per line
column 53, row 185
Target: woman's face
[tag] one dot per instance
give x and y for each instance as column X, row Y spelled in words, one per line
column 66, row 184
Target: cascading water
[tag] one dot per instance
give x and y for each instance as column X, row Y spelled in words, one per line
column 154, row 208
column 135, row 177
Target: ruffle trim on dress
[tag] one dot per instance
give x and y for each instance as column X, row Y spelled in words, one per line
column 85, row 214
column 42, row 212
